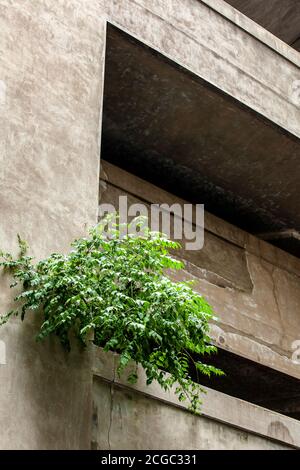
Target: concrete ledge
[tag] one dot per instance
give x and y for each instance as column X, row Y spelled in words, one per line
column 253, row 28
column 267, row 89
column 152, row 194
column 216, row 405
column 247, row 323
column 253, row 350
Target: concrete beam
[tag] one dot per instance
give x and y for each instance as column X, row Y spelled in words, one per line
column 258, row 320
column 282, row 18
column 216, row 406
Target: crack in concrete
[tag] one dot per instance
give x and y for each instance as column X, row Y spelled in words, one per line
column 112, row 390
column 276, row 299
column 271, row 346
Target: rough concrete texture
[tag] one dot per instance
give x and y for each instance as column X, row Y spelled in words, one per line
column 133, row 415
column 197, row 37
column 50, row 94
column 123, row 415
column 281, row 18
column 255, row 295
column 178, row 132
column 52, row 57
column 246, row 24
column 222, row 263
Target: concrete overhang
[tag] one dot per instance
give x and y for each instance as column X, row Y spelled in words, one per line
column 177, row 131
column 280, row 17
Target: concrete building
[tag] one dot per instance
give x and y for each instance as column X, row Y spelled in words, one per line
column 184, row 100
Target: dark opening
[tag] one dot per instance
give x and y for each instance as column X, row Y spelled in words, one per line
column 184, row 135
column 179, row 132
column 254, row 383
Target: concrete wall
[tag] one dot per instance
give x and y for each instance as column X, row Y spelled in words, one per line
column 52, row 60
column 253, row 287
column 144, row 423
column 146, row 417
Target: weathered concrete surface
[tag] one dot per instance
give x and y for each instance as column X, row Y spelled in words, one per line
column 50, row 96
column 45, row 394
column 123, row 415
column 133, row 415
column 253, row 286
column 223, row 8
column 178, row 132
column 52, row 58
column 223, row 263
column 197, row 37
column 281, row 18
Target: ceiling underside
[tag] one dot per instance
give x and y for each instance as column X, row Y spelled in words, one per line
column 173, row 129
column 253, row 382
column 280, row 17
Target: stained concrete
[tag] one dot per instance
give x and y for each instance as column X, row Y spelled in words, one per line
column 252, row 382
column 51, row 64
column 168, row 127
column 255, row 296
column 226, row 261
column 132, row 416
column 123, row 415
column 51, row 81
column 281, row 18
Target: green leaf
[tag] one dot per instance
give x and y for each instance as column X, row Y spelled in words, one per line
column 119, row 288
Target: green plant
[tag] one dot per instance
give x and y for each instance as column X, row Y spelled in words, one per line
column 117, row 287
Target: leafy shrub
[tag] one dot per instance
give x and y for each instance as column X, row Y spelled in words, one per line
column 118, row 288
